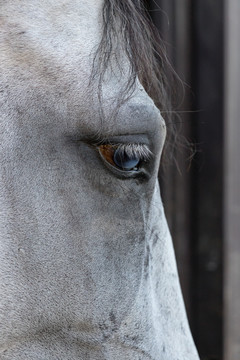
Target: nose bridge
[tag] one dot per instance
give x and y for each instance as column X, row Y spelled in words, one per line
column 169, row 318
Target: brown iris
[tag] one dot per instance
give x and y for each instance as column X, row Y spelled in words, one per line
column 107, row 151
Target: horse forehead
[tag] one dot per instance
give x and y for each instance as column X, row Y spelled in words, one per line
column 58, row 8
column 65, row 28
column 52, row 57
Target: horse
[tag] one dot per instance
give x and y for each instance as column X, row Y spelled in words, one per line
column 86, row 259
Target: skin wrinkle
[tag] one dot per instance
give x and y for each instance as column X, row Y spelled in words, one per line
column 87, row 269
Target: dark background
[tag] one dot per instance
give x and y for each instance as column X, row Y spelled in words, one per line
column 192, row 184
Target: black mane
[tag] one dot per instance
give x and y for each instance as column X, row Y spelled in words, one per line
column 127, row 22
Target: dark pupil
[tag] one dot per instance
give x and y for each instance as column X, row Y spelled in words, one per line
column 124, row 161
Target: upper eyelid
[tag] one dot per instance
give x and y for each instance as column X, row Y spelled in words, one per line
column 121, row 139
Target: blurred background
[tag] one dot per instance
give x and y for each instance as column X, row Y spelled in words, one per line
column 201, row 188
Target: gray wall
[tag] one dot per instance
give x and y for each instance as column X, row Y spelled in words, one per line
column 232, row 182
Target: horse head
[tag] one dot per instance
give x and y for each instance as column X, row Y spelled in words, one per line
column 87, row 265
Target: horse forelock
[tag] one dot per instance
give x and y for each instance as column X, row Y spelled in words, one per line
column 127, row 24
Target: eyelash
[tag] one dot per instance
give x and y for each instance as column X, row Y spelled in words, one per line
column 134, row 150
column 138, row 151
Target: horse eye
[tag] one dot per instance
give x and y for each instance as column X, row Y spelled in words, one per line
column 119, row 158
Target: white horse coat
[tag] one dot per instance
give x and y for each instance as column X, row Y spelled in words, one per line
column 87, row 269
